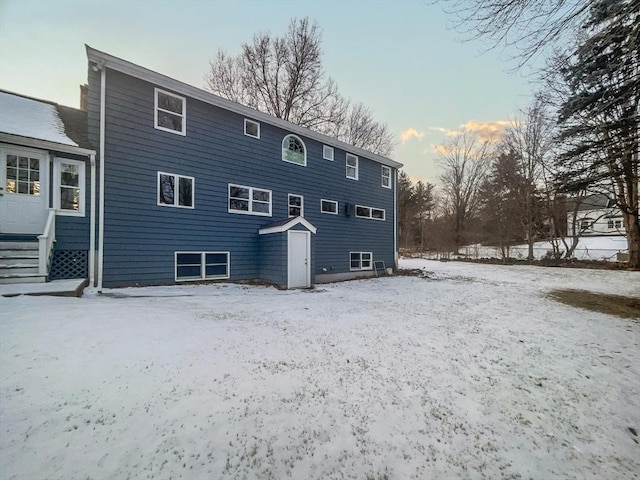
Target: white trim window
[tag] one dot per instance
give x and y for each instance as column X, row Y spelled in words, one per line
column 327, row 152
column 370, row 212
column 329, row 206
column 193, row 266
column 69, row 187
column 251, row 128
column 385, row 176
column 175, row 190
column 351, row 166
column 360, row 261
column 293, row 150
column 249, row 200
column 170, row 112
column 296, row 205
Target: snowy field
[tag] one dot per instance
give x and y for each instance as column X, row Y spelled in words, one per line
column 471, row 373
column 589, row 248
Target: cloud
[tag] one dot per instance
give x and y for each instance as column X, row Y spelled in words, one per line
column 486, row 131
column 410, row 133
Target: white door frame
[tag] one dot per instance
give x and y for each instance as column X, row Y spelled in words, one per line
column 45, row 162
column 308, row 260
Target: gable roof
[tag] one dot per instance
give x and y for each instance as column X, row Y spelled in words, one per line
column 287, row 224
column 596, row 201
column 26, row 119
column 105, row 60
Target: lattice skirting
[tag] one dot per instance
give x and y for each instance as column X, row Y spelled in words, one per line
column 69, row 264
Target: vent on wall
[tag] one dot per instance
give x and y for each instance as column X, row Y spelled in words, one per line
column 349, row 209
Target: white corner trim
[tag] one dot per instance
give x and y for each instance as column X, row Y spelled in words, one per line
column 92, row 224
column 103, row 86
column 287, row 226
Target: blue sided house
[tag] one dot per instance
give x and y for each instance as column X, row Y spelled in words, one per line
column 153, row 181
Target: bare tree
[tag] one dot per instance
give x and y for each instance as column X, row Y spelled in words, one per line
column 465, row 162
column 284, row 76
column 528, row 26
column 530, row 138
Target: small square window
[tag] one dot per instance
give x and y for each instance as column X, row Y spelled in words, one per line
column 329, row 206
column 251, row 128
column 352, row 166
column 327, row 152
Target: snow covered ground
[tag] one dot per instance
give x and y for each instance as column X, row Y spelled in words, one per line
column 589, row 248
column 472, row 373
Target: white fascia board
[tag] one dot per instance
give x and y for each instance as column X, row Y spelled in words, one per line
column 105, row 60
column 287, row 226
column 44, row 144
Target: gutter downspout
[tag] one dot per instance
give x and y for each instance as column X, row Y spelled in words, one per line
column 103, row 84
column 395, row 217
column 92, row 227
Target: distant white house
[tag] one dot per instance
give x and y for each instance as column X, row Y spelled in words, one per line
column 596, row 215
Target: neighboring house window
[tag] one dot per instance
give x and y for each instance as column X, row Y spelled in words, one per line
column 201, row 265
column 23, row 175
column 249, row 200
column 361, row 260
column 327, row 152
column 251, row 128
column 293, row 150
column 296, row 205
column 352, row 166
column 386, row 176
column 586, row 224
column 610, row 224
column 68, row 196
column 175, row 190
column 170, row 112
column 370, row 212
column 329, row 206
column 618, row 223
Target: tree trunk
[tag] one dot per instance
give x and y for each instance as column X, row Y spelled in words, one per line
column 633, row 240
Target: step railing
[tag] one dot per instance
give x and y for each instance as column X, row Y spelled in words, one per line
column 45, row 244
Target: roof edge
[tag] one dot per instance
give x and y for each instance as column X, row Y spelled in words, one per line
column 287, row 226
column 109, row 61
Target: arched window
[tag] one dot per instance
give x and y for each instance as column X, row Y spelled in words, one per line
column 294, row 151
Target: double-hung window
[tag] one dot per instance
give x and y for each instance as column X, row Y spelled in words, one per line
column 201, row 265
column 370, row 212
column 175, row 190
column 68, row 196
column 386, row 176
column 352, row 166
column 360, row 261
column 170, row 112
column 329, row 206
column 249, row 200
column 296, row 205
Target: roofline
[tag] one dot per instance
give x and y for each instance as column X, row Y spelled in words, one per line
column 44, row 144
column 105, row 60
column 35, row 99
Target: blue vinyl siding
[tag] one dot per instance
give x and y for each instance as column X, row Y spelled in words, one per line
column 141, row 237
column 273, row 258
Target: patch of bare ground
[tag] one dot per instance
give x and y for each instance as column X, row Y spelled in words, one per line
column 619, row 305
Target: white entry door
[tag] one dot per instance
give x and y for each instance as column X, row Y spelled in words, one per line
column 299, row 259
column 23, row 181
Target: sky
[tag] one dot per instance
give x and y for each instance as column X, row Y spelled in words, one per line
column 400, row 58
